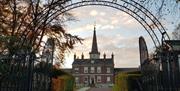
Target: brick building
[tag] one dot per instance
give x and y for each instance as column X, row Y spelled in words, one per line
column 94, row 70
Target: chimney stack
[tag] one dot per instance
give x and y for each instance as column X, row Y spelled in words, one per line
column 82, row 56
column 112, row 56
column 104, row 56
column 74, row 56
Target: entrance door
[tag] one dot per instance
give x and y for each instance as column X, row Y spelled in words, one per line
column 92, row 80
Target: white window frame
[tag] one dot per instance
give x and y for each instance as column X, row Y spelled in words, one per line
column 85, row 69
column 77, row 79
column 108, row 79
column 76, row 69
column 108, row 70
column 92, row 69
column 98, row 69
column 98, row 78
column 86, row 79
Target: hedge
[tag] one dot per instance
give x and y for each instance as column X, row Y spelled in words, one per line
column 63, row 82
column 126, row 81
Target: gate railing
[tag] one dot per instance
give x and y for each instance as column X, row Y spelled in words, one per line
column 22, row 72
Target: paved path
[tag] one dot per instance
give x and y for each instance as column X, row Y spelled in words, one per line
column 84, row 89
column 100, row 89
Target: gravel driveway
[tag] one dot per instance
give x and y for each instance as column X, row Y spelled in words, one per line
column 100, row 89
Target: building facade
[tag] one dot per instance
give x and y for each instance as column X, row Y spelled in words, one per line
column 94, row 71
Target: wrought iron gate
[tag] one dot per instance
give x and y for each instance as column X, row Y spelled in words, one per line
column 23, row 71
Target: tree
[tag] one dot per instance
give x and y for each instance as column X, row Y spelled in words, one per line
column 167, row 11
column 163, row 9
column 176, row 33
column 24, row 24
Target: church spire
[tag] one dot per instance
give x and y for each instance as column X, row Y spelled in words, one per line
column 94, row 49
column 94, row 54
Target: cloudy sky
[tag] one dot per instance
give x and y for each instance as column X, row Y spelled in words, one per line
column 116, row 31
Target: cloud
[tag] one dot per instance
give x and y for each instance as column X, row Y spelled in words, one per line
column 115, row 33
column 113, row 20
column 90, row 27
column 96, row 12
column 93, row 13
column 107, row 27
column 102, row 20
column 126, row 57
column 126, row 50
column 102, row 13
column 82, row 28
column 126, row 54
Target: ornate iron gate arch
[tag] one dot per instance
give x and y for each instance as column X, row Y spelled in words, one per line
column 131, row 7
column 150, row 23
